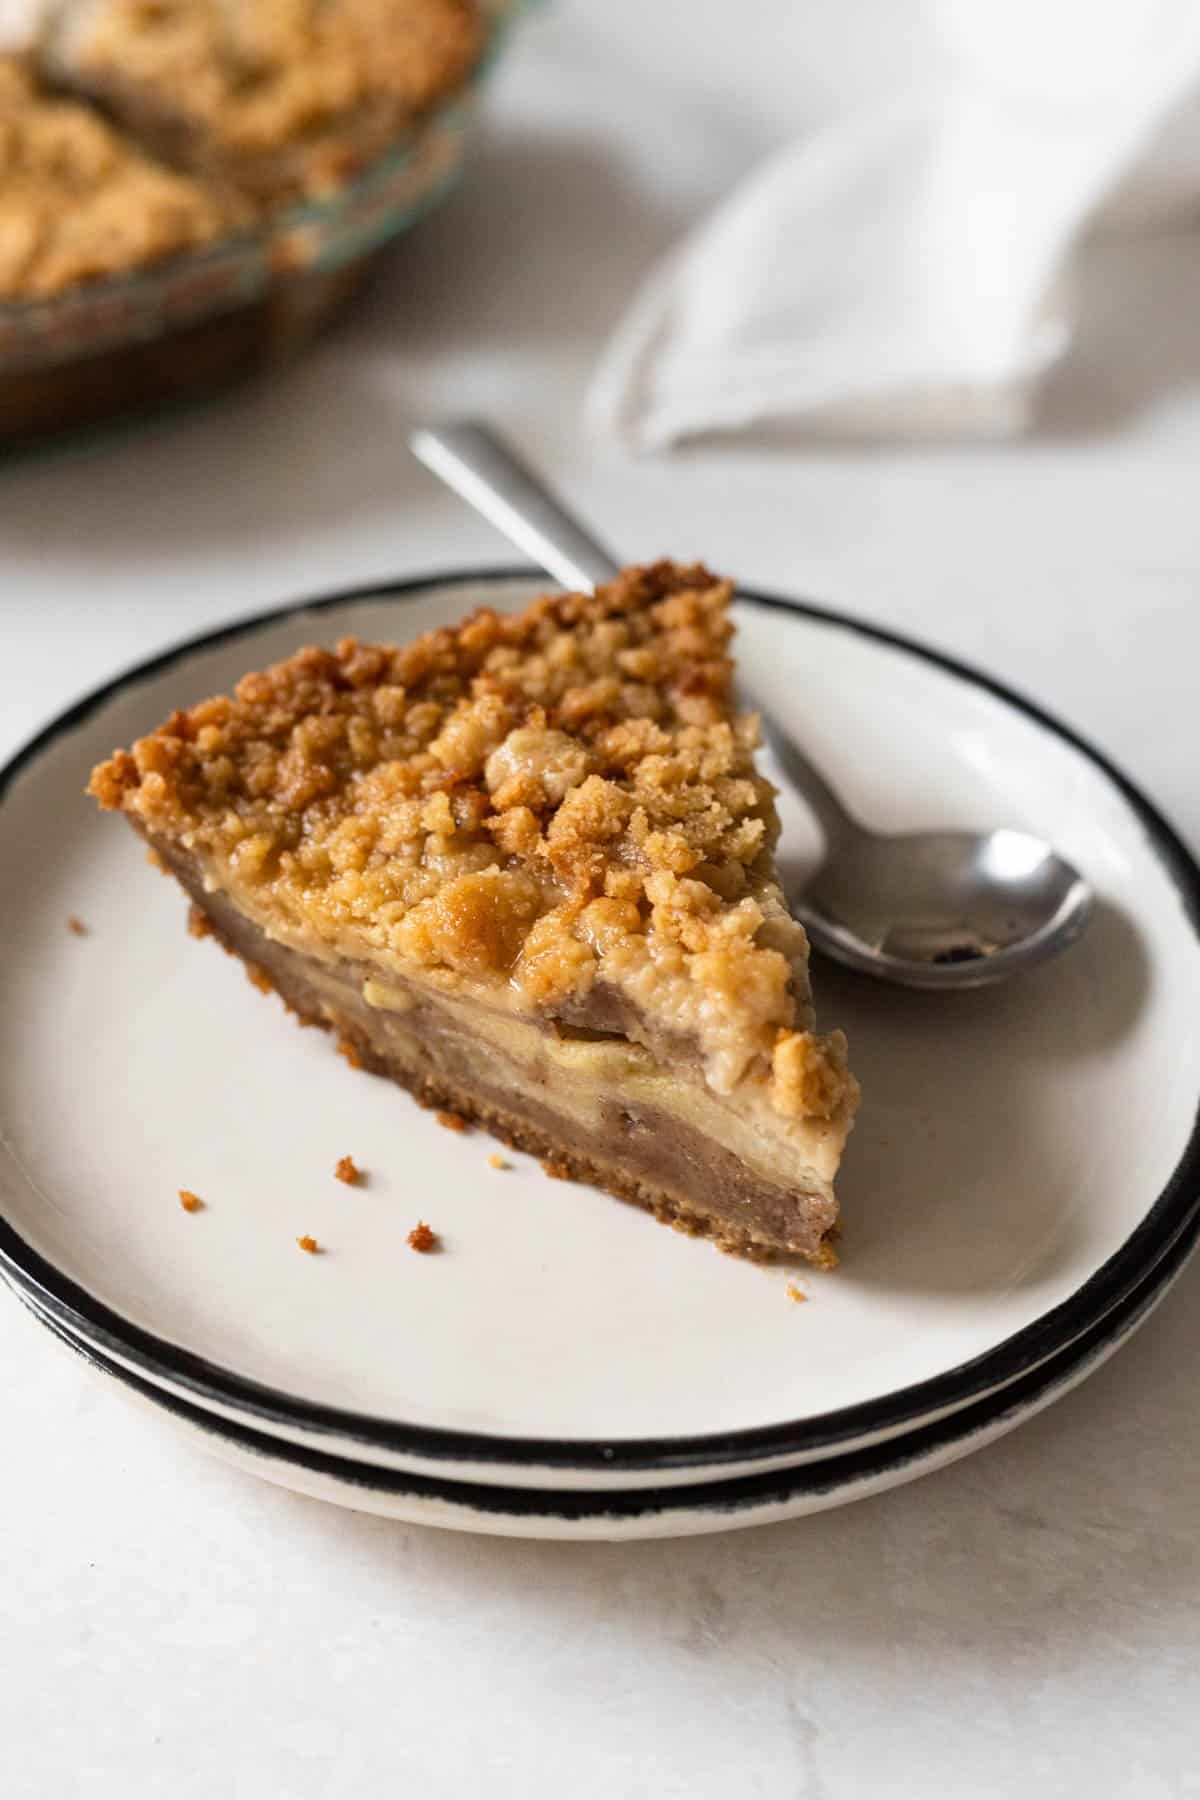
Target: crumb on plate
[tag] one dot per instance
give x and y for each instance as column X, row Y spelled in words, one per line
column 197, row 923
column 796, row 1293
column 496, row 1161
column 347, row 1170
column 423, row 1238
column 308, row 1244
column 452, row 1121
column 190, row 1202
column 76, row 927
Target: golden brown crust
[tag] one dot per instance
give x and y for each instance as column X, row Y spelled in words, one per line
column 211, row 116
column 285, row 99
column 79, row 201
column 542, row 804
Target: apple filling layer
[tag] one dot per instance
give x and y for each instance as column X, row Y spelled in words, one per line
column 600, row 1108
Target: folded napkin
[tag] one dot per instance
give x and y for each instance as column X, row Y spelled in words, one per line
column 906, row 271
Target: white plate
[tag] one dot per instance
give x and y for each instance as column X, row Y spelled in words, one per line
column 1024, row 1154
column 610, row 1514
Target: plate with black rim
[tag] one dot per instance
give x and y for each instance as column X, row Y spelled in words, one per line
column 1025, row 1155
column 615, row 1514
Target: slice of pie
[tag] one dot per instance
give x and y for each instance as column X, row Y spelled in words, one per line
column 525, row 868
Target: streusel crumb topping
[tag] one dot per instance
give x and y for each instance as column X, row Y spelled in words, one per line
column 552, row 803
column 79, row 201
column 228, row 84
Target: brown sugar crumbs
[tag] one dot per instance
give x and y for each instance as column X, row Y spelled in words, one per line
column 308, row 1244
column 546, row 803
column 190, row 1202
column 284, row 100
column 347, row 1170
column 423, row 1238
column 198, row 922
column 76, row 927
column 79, row 201
column 452, row 1121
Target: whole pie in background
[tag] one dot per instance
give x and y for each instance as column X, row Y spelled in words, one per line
column 525, row 867
column 134, row 130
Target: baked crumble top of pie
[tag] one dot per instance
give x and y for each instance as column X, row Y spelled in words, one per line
column 78, row 200
column 537, row 803
column 248, row 78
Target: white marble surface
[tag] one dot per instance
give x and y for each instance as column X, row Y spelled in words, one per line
column 1024, row 1623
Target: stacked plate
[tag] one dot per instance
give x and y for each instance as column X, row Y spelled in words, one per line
column 1022, row 1187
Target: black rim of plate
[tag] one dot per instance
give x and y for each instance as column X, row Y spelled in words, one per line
column 1038, row 1387
column 1015, row 1357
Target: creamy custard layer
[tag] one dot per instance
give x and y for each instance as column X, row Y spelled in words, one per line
column 799, row 1152
column 652, row 1134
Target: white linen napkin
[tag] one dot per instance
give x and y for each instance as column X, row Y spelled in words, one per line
column 905, row 271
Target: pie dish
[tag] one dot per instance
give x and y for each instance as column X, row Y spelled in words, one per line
column 189, row 189
column 524, row 867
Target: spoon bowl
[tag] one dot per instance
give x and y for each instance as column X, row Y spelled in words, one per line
column 941, row 909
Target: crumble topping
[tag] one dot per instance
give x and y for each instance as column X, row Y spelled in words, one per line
column 549, row 804
column 189, row 119
column 78, row 200
column 287, row 98
column 190, row 1202
column 308, row 1244
column 347, row 1170
column 423, row 1238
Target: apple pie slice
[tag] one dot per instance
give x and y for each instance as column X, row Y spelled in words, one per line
column 525, row 868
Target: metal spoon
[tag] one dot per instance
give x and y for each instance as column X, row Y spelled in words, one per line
column 929, row 909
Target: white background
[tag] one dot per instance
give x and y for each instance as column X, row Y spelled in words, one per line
column 1025, row 1623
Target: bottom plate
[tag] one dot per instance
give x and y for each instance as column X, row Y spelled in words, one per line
column 646, row 1512
column 1025, row 1156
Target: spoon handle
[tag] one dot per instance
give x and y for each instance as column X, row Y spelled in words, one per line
column 481, row 468
column 472, row 460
